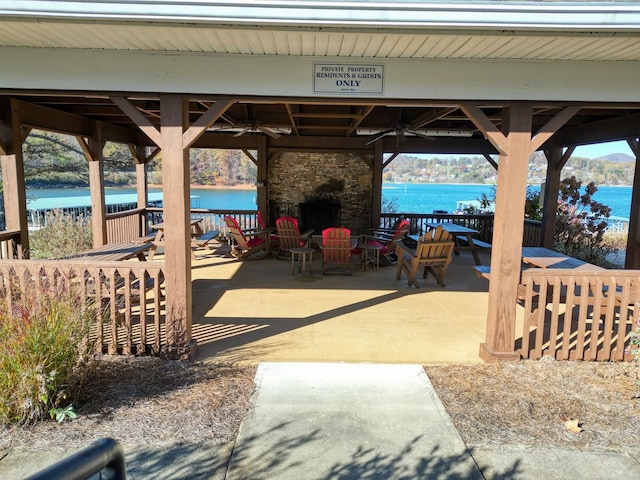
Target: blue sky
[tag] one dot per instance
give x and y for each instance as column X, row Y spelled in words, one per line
column 602, row 149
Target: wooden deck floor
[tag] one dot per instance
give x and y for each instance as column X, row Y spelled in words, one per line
column 255, row 311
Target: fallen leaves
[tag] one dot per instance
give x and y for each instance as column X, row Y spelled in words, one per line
column 572, row 425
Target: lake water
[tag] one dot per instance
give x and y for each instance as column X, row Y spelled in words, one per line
column 408, row 198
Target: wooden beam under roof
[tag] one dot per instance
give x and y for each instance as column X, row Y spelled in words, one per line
column 619, row 128
column 54, row 120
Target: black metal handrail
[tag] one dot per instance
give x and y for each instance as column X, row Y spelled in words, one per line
column 105, row 453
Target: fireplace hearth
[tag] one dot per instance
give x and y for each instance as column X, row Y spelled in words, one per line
column 317, row 216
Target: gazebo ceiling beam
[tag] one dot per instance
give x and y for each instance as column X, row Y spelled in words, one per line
column 51, row 119
column 619, row 128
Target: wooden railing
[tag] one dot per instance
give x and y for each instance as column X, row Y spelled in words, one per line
column 126, row 226
column 212, row 219
column 126, row 296
column 578, row 314
column 10, row 244
column 483, row 223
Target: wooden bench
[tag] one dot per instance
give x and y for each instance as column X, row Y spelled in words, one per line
column 476, row 243
column 146, row 239
column 203, row 240
column 483, row 271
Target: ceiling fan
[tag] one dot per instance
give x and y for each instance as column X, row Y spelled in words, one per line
column 401, row 130
column 253, row 126
column 257, row 127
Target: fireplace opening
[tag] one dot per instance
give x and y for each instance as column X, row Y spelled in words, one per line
column 318, row 215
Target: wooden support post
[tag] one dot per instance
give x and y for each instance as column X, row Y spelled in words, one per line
column 376, row 184
column 177, row 238
column 262, row 178
column 556, row 160
column 13, row 182
column 142, row 188
column 93, row 152
column 515, row 146
column 632, row 259
column 174, row 138
column 508, row 228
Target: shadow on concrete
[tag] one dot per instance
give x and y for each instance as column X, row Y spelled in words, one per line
column 303, row 457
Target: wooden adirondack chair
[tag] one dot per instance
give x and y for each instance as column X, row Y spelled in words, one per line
column 386, row 240
column 246, row 244
column 336, row 248
column 433, row 252
column 289, row 235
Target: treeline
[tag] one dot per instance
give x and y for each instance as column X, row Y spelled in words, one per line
column 476, row 169
column 52, row 160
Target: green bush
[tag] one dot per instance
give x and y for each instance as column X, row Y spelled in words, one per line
column 44, row 338
column 63, row 236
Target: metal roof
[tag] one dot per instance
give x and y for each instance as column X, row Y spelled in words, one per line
column 575, row 31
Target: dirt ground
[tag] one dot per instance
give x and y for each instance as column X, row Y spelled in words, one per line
column 148, row 401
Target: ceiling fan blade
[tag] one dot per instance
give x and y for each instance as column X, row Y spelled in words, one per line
column 421, row 135
column 268, row 131
column 242, row 132
column 378, row 136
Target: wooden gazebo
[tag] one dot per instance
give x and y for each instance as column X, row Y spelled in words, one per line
column 502, row 80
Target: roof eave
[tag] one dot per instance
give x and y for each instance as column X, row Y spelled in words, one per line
column 546, row 16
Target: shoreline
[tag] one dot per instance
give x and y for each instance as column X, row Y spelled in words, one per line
column 244, row 186
column 248, row 186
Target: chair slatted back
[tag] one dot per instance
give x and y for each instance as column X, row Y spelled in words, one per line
column 289, row 233
column 436, row 246
column 336, row 245
column 236, row 232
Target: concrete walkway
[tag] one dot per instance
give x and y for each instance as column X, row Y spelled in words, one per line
column 347, row 421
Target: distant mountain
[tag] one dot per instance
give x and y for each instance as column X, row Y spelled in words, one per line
column 617, row 157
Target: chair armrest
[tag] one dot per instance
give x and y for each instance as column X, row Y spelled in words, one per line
column 307, row 234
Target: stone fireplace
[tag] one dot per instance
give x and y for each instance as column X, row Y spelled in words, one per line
column 321, row 189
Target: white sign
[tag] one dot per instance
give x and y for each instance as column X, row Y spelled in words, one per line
column 342, row 78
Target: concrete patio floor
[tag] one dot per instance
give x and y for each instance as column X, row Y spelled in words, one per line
column 257, row 311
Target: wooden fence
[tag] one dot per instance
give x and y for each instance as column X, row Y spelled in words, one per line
column 126, row 297
column 578, row 314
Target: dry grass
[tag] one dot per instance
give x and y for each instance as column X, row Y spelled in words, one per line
column 147, row 401
column 526, row 403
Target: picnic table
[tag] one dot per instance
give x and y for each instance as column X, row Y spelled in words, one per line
column 117, row 251
column 457, row 231
column 542, row 257
column 199, row 238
